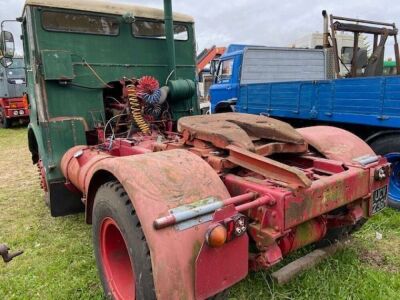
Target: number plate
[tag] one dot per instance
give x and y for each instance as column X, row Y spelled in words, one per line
column 379, row 199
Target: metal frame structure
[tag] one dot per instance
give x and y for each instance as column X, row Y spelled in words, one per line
column 381, row 32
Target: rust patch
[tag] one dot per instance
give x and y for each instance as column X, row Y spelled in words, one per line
column 298, row 210
column 237, row 129
column 335, row 193
column 335, row 143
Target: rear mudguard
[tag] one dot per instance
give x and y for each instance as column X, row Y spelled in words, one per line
column 335, row 143
column 157, row 182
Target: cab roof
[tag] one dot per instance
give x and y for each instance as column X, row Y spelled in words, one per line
column 108, row 7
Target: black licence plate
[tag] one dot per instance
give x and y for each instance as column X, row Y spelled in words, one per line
column 379, row 197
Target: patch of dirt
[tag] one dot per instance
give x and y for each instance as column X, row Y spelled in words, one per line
column 377, row 259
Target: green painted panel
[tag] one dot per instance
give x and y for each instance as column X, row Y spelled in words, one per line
column 61, row 135
column 57, row 65
column 84, row 58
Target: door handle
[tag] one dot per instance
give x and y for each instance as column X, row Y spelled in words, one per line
column 229, row 88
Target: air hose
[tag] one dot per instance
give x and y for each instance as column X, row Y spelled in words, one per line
column 136, row 109
column 148, row 89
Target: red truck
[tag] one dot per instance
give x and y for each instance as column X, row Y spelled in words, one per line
column 13, row 98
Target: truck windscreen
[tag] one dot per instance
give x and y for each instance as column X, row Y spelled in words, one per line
column 16, row 72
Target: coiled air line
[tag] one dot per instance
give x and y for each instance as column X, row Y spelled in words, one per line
column 136, row 110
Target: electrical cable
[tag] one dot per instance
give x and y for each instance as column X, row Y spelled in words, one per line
column 168, row 77
column 93, row 71
column 97, row 75
column 112, row 130
column 86, row 87
column 112, row 98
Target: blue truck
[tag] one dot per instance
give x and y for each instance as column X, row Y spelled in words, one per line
column 304, row 87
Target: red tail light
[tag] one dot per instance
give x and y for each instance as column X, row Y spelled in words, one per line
column 25, row 101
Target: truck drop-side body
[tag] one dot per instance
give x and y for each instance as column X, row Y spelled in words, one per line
column 13, row 103
column 273, row 84
column 176, row 200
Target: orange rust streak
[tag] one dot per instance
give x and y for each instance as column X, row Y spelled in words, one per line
column 271, row 148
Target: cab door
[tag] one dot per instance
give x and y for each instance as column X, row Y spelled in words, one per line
column 225, row 88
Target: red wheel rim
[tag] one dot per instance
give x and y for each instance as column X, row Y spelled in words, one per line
column 116, row 262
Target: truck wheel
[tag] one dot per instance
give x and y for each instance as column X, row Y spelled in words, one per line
column 4, row 122
column 224, row 295
column 394, row 184
column 389, row 146
column 43, row 182
column 122, row 255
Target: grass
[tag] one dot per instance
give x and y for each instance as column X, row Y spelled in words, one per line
column 58, row 262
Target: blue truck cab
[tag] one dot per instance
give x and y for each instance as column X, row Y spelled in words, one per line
column 224, row 93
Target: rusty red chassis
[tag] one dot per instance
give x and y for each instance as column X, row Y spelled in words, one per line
column 223, row 184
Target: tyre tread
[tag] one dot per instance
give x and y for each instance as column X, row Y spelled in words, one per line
column 119, row 191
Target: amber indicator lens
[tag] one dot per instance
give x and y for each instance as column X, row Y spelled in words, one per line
column 216, row 235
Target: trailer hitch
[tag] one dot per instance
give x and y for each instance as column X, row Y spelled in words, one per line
column 7, row 257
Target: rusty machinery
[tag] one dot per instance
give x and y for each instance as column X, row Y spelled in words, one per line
column 361, row 65
column 6, row 255
column 182, row 205
column 222, row 184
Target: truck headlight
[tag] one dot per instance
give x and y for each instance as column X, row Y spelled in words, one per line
column 15, row 112
column 21, row 112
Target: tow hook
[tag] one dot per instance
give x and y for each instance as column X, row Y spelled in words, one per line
column 7, row 257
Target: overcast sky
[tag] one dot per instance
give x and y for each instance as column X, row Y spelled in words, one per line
column 261, row 22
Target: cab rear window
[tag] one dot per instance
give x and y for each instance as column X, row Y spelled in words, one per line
column 156, row 30
column 79, row 23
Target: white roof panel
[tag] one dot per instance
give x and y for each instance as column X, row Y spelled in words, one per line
column 108, row 7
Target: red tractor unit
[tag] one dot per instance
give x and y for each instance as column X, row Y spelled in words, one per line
column 182, row 209
column 13, row 99
column 182, row 205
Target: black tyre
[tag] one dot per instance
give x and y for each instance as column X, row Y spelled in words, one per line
column 4, row 122
column 224, row 295
column 120, row 246
column 223, row 108
column 386, row 144
column 389, row 146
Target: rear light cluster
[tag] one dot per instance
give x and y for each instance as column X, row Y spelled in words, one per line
column 25, row 101
column 382, row 173
column 220, row 233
